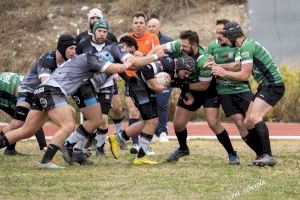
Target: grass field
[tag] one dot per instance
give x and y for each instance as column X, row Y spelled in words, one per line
column 203, row 175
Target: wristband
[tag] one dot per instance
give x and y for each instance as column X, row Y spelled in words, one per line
column 126, row 65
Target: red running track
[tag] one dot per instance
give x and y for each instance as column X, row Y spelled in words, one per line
column 202, row 129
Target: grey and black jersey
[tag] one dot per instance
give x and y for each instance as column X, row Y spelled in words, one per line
column 166, row 64
column 43, row 66
column 72, row 74
column 114, row 54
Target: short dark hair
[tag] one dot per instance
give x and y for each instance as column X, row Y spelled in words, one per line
column 191, row 36
column 222, row 21
column 129, row 41
column 139, row 14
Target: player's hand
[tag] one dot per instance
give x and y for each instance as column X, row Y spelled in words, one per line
column 218, row 71
column 117, row 77
column 161, row 53
column 138, row 54
column 129, row 62
column 188, row 99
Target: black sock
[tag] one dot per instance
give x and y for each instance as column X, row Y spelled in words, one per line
column 115, row 121
column 124, row 135
column 225, row 141
column 40, row 137
column 253, row 141
column 181, row 137
column 1, row 133
column 81, row 130
column 135, row 139
column 132, row 121
column 263, row 133
column 3, row 141
column 49, row 154
column 11, row 147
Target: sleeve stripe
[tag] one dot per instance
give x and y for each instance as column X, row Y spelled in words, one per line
column 107, row 64
column 247, row 61
column 205, row 79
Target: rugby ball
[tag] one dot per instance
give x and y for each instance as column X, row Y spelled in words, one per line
column 163, row 78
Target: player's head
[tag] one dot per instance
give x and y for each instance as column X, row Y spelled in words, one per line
column 128, row 43
column 189, row 42
column 220, row 23
column 100, row 31
column 138, row 26
column 232, row 31
column 185, row 66
column 94, row 15
column 66, row 45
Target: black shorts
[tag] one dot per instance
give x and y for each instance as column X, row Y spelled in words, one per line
column 85, row 95
column 149, row 109
column 47, row 97
column 115, row 88
column 270, row 93
column 25, row 96
column 207, row 99
column 236, row 103
column 105, row 97
column 9, row 111
column 143, row 98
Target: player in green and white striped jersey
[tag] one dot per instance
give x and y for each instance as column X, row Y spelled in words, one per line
column 255, row 60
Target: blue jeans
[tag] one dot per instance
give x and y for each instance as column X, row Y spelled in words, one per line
column 162, row 100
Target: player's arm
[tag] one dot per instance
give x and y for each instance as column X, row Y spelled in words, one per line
column 139, row 62
column 162, row 47
column 155, row 86
column 199, row 86
column 243, row 75
column 148, row 75
column 234, row 66
column 112, row 68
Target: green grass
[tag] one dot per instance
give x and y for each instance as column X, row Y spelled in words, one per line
column 203, row 175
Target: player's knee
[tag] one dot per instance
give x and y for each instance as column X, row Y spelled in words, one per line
column 69, row 126
column 254, row 118
column 14, row 124
column 178, row 126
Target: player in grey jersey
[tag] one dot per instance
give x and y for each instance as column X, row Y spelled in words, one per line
column 40, row 71
column 50, row 97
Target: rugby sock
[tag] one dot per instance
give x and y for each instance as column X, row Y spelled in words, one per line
column 145, row 140
column 3, row 141
column 81, row 144
column 118, row 124
column 40, row 137
column 11, row 147
column 49, row 154
column 79, row 134
column 181, row 137
column 101, row 135
column 123, row 136
column 135, row 139
column 253, row 141
column 263, row 133
column 225, row 141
